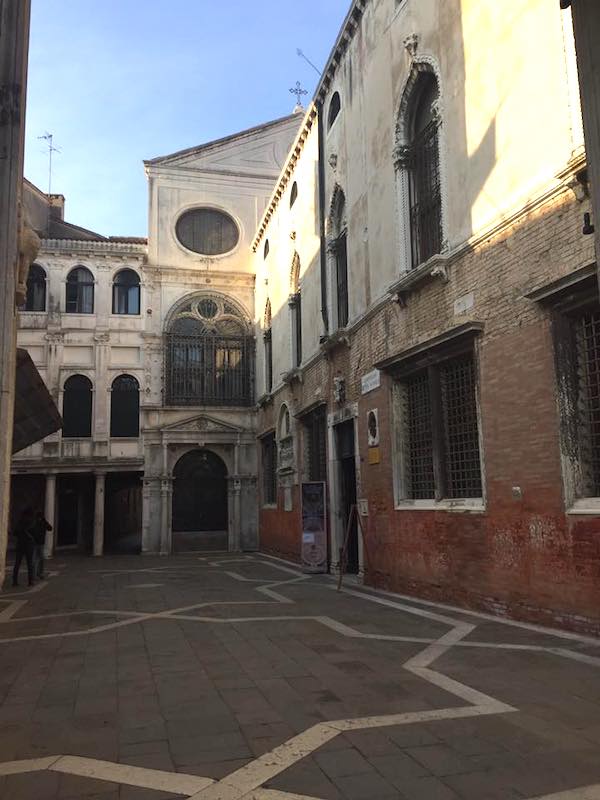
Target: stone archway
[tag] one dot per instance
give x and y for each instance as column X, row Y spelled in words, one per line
column 200, row 502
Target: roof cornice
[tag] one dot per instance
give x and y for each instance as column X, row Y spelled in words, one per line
column 105, row 247
column 345, row 36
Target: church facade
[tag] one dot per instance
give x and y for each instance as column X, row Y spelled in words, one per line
column 392, row 294
column 148, row 348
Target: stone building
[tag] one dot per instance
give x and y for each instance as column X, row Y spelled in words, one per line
column 147, row 347
column 430, row 328
column 393, row 296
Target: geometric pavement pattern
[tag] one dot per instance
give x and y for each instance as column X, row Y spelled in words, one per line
column 250, row 781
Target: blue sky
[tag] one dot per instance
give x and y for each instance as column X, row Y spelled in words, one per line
column 119, row 81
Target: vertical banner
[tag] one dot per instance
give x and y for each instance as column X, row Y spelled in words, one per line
column 314, row 527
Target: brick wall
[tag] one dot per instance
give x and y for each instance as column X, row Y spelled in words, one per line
column 522, row 556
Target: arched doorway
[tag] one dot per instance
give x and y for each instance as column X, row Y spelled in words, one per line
column 200, row 502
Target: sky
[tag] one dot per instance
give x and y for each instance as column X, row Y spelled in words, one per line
column 119, row 81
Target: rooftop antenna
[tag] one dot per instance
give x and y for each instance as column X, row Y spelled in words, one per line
column 308, row 61
column 48, row 138
column 299, row 92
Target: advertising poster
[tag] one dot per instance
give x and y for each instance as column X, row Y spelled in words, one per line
column 314, row 527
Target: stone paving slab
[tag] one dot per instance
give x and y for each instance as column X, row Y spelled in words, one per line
column 235, row 677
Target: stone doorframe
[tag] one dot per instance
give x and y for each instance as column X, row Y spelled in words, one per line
column 336, row 526
column 164, row 448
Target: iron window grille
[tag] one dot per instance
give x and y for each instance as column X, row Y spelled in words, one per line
column 425, row 195
column 268, row 343
column 125, row 407
column 440, row 432
column 35, row 299
column 126, row 293
column 80, row 292
column 587, row 351
column 296, row 309
column 77, row 408
column 341, row 271
column 315, row 427
column 209, row 356
column 269, row 469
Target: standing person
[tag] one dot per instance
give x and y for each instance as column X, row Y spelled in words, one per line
column 25, row 544
column 40, row 526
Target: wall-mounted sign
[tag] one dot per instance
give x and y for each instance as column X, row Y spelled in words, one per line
column 370, row 381
column 373, row 427
column 314, row 527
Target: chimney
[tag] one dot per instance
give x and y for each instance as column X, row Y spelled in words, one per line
column 56, row 203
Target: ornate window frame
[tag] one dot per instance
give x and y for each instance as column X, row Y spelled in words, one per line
column 402, row 145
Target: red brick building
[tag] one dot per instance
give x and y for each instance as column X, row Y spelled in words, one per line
column 431, row 326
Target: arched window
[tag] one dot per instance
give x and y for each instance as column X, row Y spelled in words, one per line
column 126, row 292
column 210, row 355
column 80, row 291
column 36, row 289
column 419, row 160
column 334, row 109
column 266, row 249
column 293, row 193
column 339, row 249
column 295, row 304
column 125, row 407
column 77, row 408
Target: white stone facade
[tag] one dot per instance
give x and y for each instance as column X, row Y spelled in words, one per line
column 99, row 473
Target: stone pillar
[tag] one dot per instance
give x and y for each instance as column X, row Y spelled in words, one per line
column 99, row 514
column 14, row 45
column 49, row 513
column 166, row 492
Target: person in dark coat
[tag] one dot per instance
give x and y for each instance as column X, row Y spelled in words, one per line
column 40, row 526
column 25, row 545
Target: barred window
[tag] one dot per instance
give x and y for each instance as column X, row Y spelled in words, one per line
column 295, row 304
column 269, row 469
column 424, row 175
column 439, row 436
column 315, row 437
column 339, row 248
column 209, row 355
column 587, row 407
column 268, row 342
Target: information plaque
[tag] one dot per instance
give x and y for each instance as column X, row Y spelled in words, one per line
column 314, row 527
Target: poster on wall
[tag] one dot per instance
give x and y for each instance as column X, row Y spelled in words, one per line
column 314, row 527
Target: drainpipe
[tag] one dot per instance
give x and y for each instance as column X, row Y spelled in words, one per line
column 324, row 312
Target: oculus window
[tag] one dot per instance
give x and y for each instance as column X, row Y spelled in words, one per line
column 207, row 231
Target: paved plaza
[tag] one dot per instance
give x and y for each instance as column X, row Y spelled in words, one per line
column 229, row 677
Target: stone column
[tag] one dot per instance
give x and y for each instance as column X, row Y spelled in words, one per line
column 49, row 513
column 99, row 514
column 14, row 44
column 166, row 492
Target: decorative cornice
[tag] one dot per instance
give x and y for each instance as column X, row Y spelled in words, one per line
column 65, row 246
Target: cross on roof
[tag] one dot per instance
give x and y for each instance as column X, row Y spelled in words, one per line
column 299, row 92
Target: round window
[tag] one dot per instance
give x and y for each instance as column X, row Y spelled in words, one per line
column 207, row 231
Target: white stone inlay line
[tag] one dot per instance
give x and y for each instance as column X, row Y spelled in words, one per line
column 176, row 783
column 584, row 793
column 246, row 783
